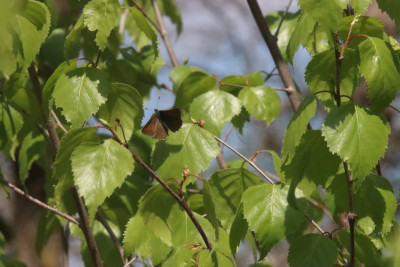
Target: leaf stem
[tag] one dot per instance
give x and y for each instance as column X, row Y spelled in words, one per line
column 270, row 40
column 246, row 159
column 38, row 202
column 164, row 34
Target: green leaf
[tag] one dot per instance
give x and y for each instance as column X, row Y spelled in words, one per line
column 261, row 101
column 239, row 120
column 172, row 11
column 304, row 27
column 326, row 12
column 10, row 125
column 180, row 256
column 99, row 169
column 238, row 230
column 286, row 28
column 234, row 83
column 366, row 252
column 209, row 207
column 335, row 201
column 227, row 187
column 32, row 28
column 80, row 92
column 48, row 88
column 378, row 66
column 391, row 8
column 156, row 207
column 312, row 250
column 180, row 73
column 321, row 76
column 144, row 25
column 375, row 201
column 358, row 137
column 62, row 165
column 216, row 108
column 125, row 103
column 360, row 6
column 46, row 227
column 311, row 156
column 297, row 127
column 190, row 147
column 269, row 215
column 73, row 37
column 215, row 258
column 30, row 151
column 100, row 16
column 195, row 84
column 141, row 240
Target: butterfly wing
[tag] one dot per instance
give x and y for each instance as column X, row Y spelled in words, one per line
column 155, row 128
column 171, row 118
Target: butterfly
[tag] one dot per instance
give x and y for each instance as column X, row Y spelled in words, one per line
column 161, row 121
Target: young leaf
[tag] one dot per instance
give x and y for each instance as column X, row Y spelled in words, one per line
column 99, row 170
column 312, row 250
column 195, row 84
column 100, row 16
column 180, row 256
column 227, row 187
column 311, row 156
column 190, row 147
column 215, row 258
column 125, row 103
column 326, row 12
column 366, row 252
column 297, row 127
column 269, row 215
column 179, row 74
column 80, row 92
column 358, row 137
column 156, row 207
column 238, row 230
column 141, row 240
column 379, row 67
column 261, row 101
column 360, row 6
column 375, row 205
column 216, row 108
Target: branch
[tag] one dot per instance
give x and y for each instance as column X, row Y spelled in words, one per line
column 38, row 202
column 270, row 40
column 220, row 157
column 141, row 9
column 180, row 200
column 283, row 18
column 164, row 34
column 246, row 159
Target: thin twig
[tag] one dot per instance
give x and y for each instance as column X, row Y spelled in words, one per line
column 38, row 202
column 141, row 9
column 315, row 224
column 283, row 18
column 122, row 22
column 164, row 34
column 102, row 219
column 130, row 261
column 246, row 159
column 58, row 121
column 270, row 40
column 220, row 158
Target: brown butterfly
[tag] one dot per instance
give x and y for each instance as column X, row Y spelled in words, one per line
column 161, row 121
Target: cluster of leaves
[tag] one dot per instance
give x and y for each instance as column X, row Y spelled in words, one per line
column 113, row 82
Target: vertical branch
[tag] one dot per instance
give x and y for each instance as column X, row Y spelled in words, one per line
column 270, row 40
column 351, row 217
column 85, row 225
column 164, row 33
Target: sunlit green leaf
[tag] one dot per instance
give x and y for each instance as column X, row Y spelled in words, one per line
column 360, row 25
column 80, row 92
column 100, row 16
column 390, row 7
column 378, row 66
column 99, row 169
column 269, row 215
column 216, row 108
column 73, row 37
column 358, row 137
column 360, row 6
column 178, row 75
column 190, row 147
column 261, row 101
column 11, row 123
